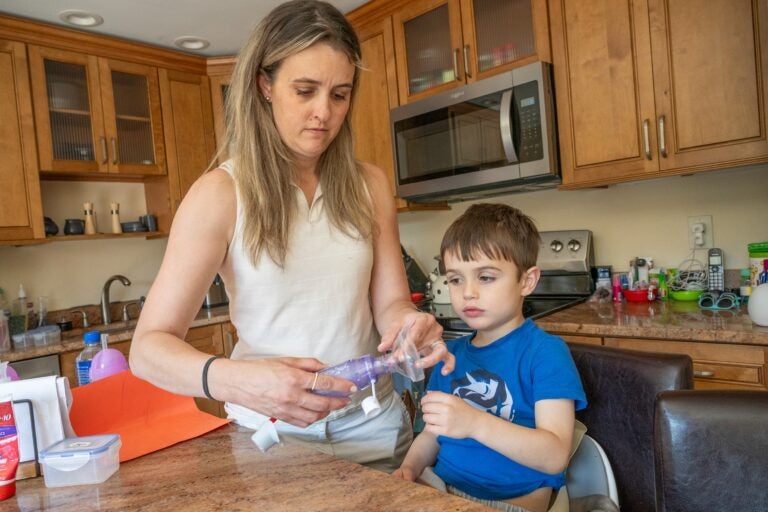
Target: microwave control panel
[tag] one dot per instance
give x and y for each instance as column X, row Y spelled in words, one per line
column 527, row 103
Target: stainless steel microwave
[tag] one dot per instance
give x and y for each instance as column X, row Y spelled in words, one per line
column 491, row 137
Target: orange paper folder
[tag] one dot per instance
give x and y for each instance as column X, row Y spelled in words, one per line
column 146, row 417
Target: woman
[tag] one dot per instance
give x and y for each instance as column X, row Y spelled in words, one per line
column 306, row 241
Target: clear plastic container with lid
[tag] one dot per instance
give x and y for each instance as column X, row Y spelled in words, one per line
column 757, row 253
column 81, row 460
column 85, row 358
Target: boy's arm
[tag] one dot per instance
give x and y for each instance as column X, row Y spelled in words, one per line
column 421, row 454
column 545, row 448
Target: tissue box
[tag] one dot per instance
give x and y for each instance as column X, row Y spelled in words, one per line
column 81, row 460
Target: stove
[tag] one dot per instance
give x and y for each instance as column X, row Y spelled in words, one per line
column 566, row 259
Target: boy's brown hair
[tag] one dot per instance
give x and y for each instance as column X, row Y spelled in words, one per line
column 498, row 231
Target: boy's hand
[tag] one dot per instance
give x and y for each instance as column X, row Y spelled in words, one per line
column 448, row 415
column 406, row 473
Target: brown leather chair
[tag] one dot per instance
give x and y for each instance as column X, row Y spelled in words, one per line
column 621, row 387
column 711, row 448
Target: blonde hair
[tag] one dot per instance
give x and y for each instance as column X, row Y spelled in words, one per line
column 263, row 165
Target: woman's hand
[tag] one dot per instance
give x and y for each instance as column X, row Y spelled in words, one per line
column 280, row 387
column 427, row 336
column 448, row 415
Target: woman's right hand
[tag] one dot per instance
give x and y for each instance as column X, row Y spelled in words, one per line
column 279, row 387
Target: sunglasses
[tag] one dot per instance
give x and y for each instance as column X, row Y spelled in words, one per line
column 720, row 301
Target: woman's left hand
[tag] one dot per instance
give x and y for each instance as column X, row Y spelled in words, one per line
column 426, row 334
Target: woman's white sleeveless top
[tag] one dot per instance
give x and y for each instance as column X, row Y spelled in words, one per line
column 316, row 306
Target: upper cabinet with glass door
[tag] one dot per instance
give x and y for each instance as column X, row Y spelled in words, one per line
column 96, row 115
column 441, row 44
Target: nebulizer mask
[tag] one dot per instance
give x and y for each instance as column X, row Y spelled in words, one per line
column 364, row 371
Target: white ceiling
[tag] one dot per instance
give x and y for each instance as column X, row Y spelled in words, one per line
column 224, row 23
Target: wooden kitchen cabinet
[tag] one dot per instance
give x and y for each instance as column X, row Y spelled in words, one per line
column 96, row 114
column 230, row 338
column 220, row 74
column 715, row 365
column 441, row 44
column 375, row 96
column 189, row 138
column 21, row 211
column 655, row 87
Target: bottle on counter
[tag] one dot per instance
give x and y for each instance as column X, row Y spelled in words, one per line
column 617, row 288
column 19, row 320
column 85, row 358
column 745, row 286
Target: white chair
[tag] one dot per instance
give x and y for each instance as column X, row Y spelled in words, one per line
column 590, row 484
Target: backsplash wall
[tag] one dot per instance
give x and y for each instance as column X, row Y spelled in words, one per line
column 647, row 218
column 72, row 273
column 636, row 219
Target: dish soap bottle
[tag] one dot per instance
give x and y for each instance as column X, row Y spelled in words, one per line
column 85, row 358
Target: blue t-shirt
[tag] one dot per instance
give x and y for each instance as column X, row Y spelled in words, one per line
column 506, row 379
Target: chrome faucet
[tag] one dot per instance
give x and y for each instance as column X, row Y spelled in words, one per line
column 105, row 316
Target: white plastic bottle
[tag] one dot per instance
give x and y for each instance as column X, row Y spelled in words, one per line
column 85, row 358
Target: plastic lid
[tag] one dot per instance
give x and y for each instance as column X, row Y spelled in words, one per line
column 758, row 247
column 370, row 405
column 92, row 337
column 88, row 445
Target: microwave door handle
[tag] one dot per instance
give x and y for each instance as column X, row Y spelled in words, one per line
column 507, row 135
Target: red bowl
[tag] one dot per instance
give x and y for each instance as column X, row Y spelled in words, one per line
column 637, row 295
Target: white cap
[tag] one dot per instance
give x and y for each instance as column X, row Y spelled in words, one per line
column 266, row 436
column 370, row 406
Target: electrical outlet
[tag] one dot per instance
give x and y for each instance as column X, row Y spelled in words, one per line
column 700, row 234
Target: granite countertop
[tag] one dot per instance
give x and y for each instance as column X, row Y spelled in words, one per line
column 118, row 331
column 223, row 470
column 666, row 320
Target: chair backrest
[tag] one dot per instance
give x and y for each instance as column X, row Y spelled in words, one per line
column 621, row 387
column 711, row 448
column 589, row 473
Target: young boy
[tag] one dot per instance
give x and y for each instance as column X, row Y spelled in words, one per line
column 499, row 427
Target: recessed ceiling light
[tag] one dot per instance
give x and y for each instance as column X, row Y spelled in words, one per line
column 81, row 18
column 191, row 42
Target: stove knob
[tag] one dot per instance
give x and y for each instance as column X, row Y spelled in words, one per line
column 556, row 245
column 574, row 245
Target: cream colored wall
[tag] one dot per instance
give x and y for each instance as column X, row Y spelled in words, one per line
column 71, row 273
column 645, row 219
column 648, row 218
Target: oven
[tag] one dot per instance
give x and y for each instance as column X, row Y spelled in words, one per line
column 566, row 259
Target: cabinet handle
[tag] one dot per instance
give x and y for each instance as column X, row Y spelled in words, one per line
column 229, row 343
column 662, row 140
column 456, row 63
column 466, row 61
column 646, row 140
column 104, row 150
column 704, row 374
column 115, row 156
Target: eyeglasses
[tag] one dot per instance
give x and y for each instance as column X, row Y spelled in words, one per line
column 720, row 301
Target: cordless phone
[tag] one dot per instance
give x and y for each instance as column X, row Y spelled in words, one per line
column 715, row 270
